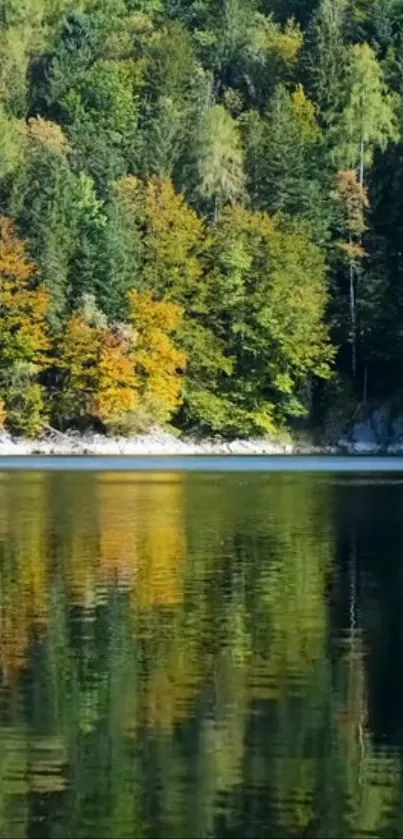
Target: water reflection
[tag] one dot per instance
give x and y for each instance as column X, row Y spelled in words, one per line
column 200, row 655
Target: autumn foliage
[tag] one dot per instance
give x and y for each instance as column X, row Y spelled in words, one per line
column 158, row 361
column 24, row 335
column 240, row 159
column 111, row 374
column 97, row 373
column 353, row 198
column 235, row 315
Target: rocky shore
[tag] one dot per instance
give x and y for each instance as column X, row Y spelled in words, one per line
column 154, row 442
column 380, row 433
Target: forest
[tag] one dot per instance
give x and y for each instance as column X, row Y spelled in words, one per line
column 200, row 213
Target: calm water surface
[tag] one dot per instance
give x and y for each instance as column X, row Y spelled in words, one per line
column 188, row 654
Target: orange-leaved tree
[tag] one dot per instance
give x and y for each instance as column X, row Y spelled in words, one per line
column 98, row 379
column 121, row 375
column 24, row 336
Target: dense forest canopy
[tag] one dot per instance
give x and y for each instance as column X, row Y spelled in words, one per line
column 201, row 211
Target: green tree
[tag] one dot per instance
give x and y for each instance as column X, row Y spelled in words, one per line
column 368, row 121
column 42, row 200
column 269, row 56
column 267, row 281
column 326, row 60
column 220, row 173
column 11, row 144
column 79, row 40
column 172, row 78
column 101, row 118
column 88, row 268
column 286, row 162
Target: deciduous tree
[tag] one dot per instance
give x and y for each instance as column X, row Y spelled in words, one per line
column 24, row 337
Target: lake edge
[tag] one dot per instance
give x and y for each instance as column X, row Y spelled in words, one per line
column 213, row 464
column 161, row 443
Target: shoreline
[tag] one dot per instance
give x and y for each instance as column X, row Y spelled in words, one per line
column 158, row 442
column 155, row 442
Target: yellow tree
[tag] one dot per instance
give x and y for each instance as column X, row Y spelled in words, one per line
column 164, row 235
column 24, row 338
column 24, row 572
column 158, row 362
column 117, row 394
column 175, row 233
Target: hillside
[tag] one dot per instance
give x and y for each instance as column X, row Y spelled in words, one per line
column 201, row 218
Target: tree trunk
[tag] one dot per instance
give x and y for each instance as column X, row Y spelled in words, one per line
column 353, row 320
column 365, row 393
column 361, row 173
column 355, row 292
column 216, row 209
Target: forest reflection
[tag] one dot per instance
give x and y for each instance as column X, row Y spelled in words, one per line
column 193, row 656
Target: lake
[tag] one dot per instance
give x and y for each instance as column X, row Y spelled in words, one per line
column 201, row 649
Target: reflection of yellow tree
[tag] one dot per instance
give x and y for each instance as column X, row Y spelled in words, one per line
column 142, row 549
column 142, row 542
column 24, row 570
column 78, row 557
column 163, row 546
column 118, row 523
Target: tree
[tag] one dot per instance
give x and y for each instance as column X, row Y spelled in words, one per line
column 119, row 375
column 78, row 42
column 21, row 36
column 326, row 60
column 268, row 57
column 267, row 281
column 286, row 163
column 220, row 174
column 11, row 143
column 173, row 78
column 88, row 269
column 42, row 201
column 368, row 121
column 158, row 362
column 173, row 241
column 354, row 200
column 96, row 368
column 24, row 338
column 101, row 118
column 161, row 238
column 301, row 10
